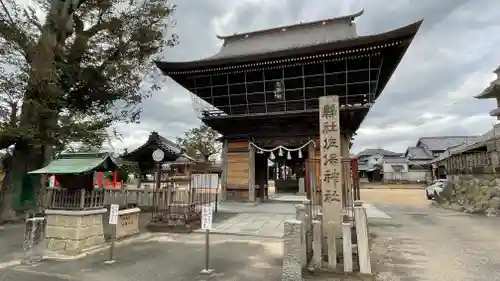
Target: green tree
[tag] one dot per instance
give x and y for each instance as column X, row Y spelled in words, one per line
column 200, row 143
column 82, row 69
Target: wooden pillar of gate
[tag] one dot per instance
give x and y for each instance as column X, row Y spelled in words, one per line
column 224, row 170
column 251, row 173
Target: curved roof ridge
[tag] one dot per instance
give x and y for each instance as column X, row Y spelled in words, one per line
column 291, row 26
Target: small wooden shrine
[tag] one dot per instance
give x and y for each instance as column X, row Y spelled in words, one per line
column 173, row 207
column 175, row 164
column 75, row 210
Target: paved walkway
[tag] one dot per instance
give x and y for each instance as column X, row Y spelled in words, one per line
column 264, row 220
column 252, row 224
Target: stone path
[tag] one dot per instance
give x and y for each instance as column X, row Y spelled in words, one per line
column 263, row 220
column 252, row 224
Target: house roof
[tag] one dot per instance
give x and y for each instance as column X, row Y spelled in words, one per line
column 443, row 143
column 474, row 143
column 78, row 163
column 374, row 151
column 417, row 153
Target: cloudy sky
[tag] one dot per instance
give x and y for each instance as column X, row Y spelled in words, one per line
column 431, row 93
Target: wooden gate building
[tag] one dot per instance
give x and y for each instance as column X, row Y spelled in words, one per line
column 261, row 90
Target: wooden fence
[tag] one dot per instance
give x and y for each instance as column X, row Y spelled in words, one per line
column 63, row 199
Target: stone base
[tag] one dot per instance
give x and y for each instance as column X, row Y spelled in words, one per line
column 74, row 232
column 128, row 223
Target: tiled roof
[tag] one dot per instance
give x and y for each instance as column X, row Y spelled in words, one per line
column 417, row 153
column 443, row 143
column 165, row 143
column 155, row 140
column 374, row 151
column 288, row 37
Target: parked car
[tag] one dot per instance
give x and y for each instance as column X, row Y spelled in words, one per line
column 434, row 188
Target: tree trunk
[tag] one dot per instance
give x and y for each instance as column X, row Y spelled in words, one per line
column 25, row 158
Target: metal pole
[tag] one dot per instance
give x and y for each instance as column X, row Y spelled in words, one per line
column 157, row 187
column 207, row 270
column 207, row 249
column 112, row 246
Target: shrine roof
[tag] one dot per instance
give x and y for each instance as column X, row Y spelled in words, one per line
column 78, row 163
column 155, row 141
column 290, row 41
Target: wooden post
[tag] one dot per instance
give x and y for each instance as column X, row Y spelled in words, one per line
column 251, row 172
column 331, row 168
column 82, row 199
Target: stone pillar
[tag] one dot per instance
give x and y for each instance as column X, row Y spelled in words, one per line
column 224, row 170
column 302, row 186
column 362, row 237
column 347, row 246
column 317, row 257
column 311, row 154
column 74, row 232
column 251, row 173
column 331, row 167
column 331, row 242
column 292, row 267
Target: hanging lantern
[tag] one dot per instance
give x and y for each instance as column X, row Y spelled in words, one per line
column 300, row 153
column 280, row 152
column 289, row 155
column 271, row 156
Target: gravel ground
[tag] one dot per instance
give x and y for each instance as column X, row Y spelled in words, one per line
column 428, row 243
column 412, row 197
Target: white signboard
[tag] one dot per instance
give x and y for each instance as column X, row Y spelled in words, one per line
column 205, row 181
column 113, row 214
column 206, row 217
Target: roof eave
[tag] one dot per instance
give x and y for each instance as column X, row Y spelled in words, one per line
column 492, row 91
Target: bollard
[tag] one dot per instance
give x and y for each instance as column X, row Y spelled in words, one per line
column 347, row 246
column 331, row 242
column 292, row 267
